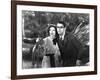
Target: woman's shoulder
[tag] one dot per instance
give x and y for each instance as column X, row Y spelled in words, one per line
column 46, row 39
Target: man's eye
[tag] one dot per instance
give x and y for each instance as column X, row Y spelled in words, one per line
column 60, row 27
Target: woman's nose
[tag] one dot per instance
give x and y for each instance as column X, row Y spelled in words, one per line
column 51, row 31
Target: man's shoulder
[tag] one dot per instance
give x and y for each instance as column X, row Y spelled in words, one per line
column 69, row 36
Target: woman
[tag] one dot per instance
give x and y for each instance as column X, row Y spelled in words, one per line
column 51, row 56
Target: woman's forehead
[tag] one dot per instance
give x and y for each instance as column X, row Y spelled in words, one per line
column 52, row 28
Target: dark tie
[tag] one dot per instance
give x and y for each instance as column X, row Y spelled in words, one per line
column 61, row 41
column 60, row 38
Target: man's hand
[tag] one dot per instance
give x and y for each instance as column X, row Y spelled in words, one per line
column 78, row 62
column 37, row 40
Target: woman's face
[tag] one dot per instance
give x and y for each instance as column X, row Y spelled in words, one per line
column 52, row 32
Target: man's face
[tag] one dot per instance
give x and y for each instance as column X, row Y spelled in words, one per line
column 60, row 28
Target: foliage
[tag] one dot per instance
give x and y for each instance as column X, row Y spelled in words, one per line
column 37, row 22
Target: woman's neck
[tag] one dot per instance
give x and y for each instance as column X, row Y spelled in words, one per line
column 52, row 37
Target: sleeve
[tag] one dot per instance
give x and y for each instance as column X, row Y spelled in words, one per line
column 78, row 46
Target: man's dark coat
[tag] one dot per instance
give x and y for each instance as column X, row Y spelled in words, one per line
column 69, row 48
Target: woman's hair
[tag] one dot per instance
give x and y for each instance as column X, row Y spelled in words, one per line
column 56, row 33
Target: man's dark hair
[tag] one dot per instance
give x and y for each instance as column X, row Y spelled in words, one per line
column 61, row 22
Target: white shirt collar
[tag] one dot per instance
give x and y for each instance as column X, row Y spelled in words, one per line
column 62, row 37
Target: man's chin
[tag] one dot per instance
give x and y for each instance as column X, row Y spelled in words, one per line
column 60, row 33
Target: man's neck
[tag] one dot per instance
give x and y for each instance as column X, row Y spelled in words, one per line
column 62, row 36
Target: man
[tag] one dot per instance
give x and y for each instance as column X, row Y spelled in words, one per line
column 69, row 46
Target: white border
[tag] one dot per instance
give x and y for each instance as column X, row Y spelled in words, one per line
column 21, row 71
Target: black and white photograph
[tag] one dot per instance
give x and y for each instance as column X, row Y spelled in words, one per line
column 55, row 40
column 52, row 39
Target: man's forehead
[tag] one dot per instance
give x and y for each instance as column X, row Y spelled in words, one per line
column 59, row 24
